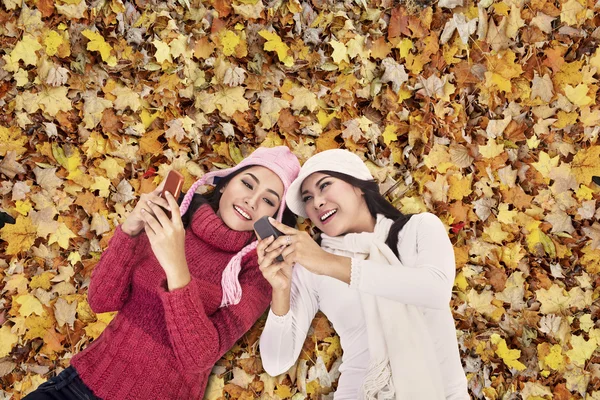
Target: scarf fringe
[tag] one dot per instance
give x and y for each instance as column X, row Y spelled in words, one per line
column 378, row 383
column 232, row 290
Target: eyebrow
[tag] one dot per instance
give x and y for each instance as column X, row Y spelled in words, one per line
column 316, row 184
column 258, row 183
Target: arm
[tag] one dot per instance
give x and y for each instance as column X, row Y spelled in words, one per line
column 283, row 336
column 428, row 284
column 110, row 283
column 198, row 340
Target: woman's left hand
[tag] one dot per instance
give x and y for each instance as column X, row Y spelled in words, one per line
column 300, row 248
column 167, row 239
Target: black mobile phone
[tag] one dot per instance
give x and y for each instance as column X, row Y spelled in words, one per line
column 264, row 229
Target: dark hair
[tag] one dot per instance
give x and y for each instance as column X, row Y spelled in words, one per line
column 377, row 204
column 213, row 198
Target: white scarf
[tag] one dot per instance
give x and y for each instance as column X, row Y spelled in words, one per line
column 403, row 364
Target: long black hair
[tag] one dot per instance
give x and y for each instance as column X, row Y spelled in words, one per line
column 213, row 198
column 377, row 204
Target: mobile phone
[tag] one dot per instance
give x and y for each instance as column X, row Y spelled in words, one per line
column 264, row 229
column 596, row 180
column 173, row 185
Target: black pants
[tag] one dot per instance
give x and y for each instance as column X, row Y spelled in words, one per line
column 65, row 386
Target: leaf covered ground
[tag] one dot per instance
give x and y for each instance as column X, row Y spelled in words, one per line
column 483, row 113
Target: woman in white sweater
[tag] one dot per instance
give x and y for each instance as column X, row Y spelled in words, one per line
column 382, row 278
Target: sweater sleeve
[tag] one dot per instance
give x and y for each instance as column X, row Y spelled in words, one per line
column 199, row 340
column 283, row 336
column 110, row 283
column 427, row 284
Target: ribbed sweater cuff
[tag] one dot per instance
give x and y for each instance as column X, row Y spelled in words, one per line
column 279, row 319
column 123, row 242
column 187, row 324
column 355, row 272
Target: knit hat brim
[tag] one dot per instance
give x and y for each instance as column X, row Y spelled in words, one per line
column 336, row 160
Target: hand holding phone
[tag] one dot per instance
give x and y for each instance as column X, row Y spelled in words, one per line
column 173, row 185
column 264, row 229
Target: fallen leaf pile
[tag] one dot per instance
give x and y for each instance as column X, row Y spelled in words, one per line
column 483, row 113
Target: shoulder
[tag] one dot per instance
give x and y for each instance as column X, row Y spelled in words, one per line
column 424, row 222
column 427, row 218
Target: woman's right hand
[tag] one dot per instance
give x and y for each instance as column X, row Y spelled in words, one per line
column 278, row 274
column 134, row 223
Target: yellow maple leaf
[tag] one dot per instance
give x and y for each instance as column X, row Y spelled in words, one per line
column 491, row 149
column 7, row 340
column 570, row 12
column 25, row 50
column 230, row 100
column 229, row 41
column 126, row 97
column 112, row 167
column 578, row 95
column 284, row 391
column 53, row 41
column 62, row 236
column 102, row 184
column 20, row 236
column 340, row 52
column 554, row 300
column 11, row 139
column 581, row 350
column 274, row 43
column 510, row 357
column 586, row 164
column 53, row 100
column 97, row 43
column 494, row 233
column 29, row 305
column 303, row 97
column 551, row 356
column 545, row 163
column 163, row 51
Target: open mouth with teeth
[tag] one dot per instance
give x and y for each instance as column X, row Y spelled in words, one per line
column 327, row 216
column 243, row 213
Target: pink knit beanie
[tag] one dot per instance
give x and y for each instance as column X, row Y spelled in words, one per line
column 282, row 162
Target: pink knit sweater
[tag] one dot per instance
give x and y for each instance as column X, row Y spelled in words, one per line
column 161, row 344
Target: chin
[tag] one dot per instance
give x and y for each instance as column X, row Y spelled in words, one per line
column 236, row 224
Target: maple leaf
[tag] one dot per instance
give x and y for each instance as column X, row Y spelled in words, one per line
column 7, row 340
column 303, row 98
column 585, row 164
column 274, row 43
column 510, row 357
column 20, row 236
column 97, row 43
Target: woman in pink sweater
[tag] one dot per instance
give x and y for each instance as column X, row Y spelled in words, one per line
column 186, row 289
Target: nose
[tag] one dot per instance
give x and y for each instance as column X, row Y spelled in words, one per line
column 251, row 201
column 318, row 202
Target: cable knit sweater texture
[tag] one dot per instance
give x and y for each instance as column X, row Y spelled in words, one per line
column 163, row 344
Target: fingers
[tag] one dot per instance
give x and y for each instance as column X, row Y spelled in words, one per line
column 281, row 241
column 286, row 230
column 174, row 208
column 262, row 245
column 150, row 221
column 159, row 214
column 269, row 258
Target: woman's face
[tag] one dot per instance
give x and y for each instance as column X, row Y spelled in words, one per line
column 249, row 196
column 335, row 206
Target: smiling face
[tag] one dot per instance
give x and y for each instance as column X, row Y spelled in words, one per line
column 248, row 196
column 335, row 206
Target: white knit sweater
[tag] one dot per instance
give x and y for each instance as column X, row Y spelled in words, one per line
column 425, row 281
